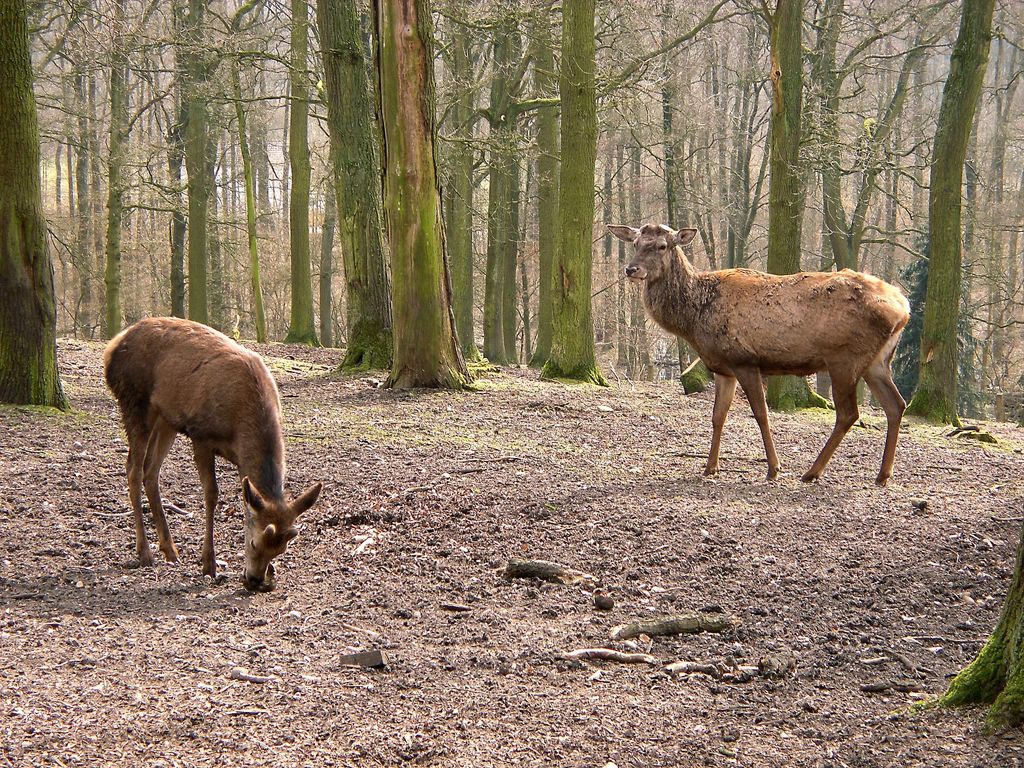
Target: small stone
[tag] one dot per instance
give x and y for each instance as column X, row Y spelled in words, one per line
column 605, row 408
column 603, row 601
column 920, row 505
column 807, row 705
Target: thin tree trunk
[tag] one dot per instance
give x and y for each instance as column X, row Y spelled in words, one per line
column 115, row 184
column 326, row 263
column 546, row 82
column 301, row 329
column 196, row 159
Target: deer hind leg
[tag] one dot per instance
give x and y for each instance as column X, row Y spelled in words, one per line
column 206, row 465
column 137, row 440
column 725, row 388
column 753, row 388
column 844, row 394
column 879, row 380
column 160, row 441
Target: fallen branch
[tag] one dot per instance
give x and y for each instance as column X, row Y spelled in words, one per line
column 899, row 686
column 965, row 428
column 693, row 667
column 688, row 624
column 607, row 654
column 546, row 571
column 237, row 712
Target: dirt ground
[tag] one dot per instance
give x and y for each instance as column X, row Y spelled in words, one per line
column 427, row 496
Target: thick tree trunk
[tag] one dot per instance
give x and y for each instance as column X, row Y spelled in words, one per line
column 357, row 181
column 572, row 344
column 301, row 329
column 546, row 84
column 786, row 192
column 28, row 316
column 426, row 352
column 936, row 395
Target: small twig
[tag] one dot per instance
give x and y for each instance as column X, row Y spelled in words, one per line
column 237, row 712
column 940, row 639
column 1008, row 519
column 965, row 428
column 607, row 654
column 909, row 665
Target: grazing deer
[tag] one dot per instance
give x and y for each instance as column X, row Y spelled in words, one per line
column 171, row 375
column 745, row 324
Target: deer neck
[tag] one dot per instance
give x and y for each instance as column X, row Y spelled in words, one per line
column 670, row 299
column 261, row 459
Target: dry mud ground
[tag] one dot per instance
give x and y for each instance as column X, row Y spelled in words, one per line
column 427, row 496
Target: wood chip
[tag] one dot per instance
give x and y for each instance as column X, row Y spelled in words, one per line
column 374, row 659
column 693, row 667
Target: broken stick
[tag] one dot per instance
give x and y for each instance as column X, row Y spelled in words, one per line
column 607, row 654
column 546, row 571
column 687, row 624
column 693, row 667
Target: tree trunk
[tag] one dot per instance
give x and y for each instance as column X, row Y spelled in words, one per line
column 786, row 193
column 83, row 248
column 572, row 343
column 357, row 179
column 250, row 207
column 115, row 184
column 326, row 263
column 426, row 351
column 460, row 198
column 546, row 82
column 28, row 316
column 509, row 259
column 301, row 329
column 196, row 156
column 936, row 396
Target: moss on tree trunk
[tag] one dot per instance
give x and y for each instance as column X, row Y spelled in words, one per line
column 426, row 352
column 996, row 676
column 572, row 342
column 357, row 181
column 28, row 317
column 936, row 395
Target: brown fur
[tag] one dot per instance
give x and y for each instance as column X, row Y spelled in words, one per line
column 173, row 376
column 745, row 324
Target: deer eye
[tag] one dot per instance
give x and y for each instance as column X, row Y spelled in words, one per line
column 662, row 247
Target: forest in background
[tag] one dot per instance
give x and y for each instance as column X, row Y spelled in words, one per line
column 684, row 103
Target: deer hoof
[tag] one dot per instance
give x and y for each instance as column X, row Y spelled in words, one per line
column 809, row 477
column 145, row 558
column 710, row 470
column 773, row 474
column 170, row 553
column 881, row 480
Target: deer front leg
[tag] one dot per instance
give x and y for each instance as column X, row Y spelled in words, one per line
column 205, row 463
column 879, row 379
column 725, row 388
column 753, row 388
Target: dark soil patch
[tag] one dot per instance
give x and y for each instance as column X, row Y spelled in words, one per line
column 427, row 497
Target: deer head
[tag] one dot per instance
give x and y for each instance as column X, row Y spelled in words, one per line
column 654, row 246
column 269, row 527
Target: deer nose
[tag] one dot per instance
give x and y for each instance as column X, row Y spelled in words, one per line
column 632, row 270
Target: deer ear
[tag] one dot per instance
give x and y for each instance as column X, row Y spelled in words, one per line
column 685, row 236
column 252, row 496
column 629, row 234
column 290, row 534
column 307, row 499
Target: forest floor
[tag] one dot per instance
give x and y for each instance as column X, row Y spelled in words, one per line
column 427, row 496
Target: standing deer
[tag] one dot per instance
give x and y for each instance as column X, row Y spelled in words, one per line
column 171, row 375
column 745, row 324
